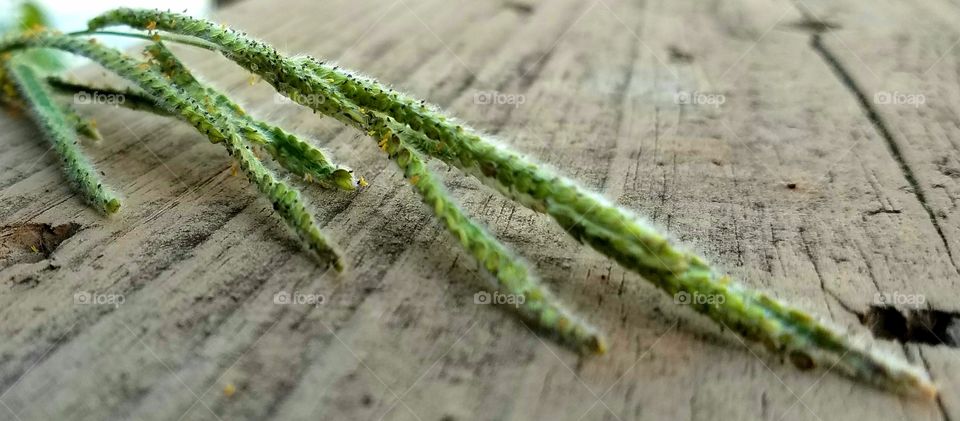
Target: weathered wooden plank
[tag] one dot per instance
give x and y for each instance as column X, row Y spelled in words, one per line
column 198, row 256
column 900, row 60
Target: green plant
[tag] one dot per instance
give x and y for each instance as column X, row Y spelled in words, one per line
column 410, row 131
column 61, row 128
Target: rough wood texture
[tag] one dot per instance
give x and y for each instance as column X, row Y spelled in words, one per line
column 801, row 182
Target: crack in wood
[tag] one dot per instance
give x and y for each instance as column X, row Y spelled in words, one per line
column 883, row 129
column 940, row 406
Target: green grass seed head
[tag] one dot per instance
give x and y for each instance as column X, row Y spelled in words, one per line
column 510, row 274
column 56, row 123
column 365, row 104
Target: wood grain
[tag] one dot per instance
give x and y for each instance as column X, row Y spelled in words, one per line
column 748, row 129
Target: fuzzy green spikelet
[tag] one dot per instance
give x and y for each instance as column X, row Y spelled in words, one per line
column 510, row 273
column 60, row 128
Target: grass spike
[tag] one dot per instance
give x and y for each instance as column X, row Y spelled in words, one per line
column 62, row 133
column 510, row 273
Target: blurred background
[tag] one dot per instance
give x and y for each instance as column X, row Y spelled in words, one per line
column 72, row 15
column 68, row 16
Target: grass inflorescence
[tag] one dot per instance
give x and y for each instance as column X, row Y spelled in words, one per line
column 411, row 131
column 62, row 126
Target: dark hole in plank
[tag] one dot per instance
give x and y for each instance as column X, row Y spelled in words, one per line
column 931, row 327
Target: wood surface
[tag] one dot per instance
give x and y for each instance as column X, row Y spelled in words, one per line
column 755, row 131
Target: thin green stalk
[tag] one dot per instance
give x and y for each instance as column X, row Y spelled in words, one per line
column 213, row 124
column 591, row 219
column 61, row 132
column 151, row 37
